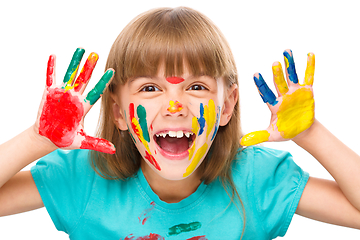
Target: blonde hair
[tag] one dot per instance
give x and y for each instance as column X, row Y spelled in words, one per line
column 178, row 38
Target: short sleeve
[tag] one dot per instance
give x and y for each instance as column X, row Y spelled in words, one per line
column 275, row 185
column 64, row 180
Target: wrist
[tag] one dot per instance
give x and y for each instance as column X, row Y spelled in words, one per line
column 308, row 135
column 41, row 142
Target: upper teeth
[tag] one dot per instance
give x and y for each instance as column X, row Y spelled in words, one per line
column 178, row 134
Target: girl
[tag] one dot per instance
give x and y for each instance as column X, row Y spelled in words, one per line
column 178, row 171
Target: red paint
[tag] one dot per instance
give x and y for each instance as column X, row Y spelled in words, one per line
column 145, row 215
column 174, row 80
column 152, row 160
column 86, row 71
column 198, row 238
column 132, row 115
column 50, row 71
column 151, row 236
column 97, row 144
column 60, row 117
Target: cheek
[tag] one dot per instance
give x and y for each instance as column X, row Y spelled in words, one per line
column 139, row 127
column 204, row 125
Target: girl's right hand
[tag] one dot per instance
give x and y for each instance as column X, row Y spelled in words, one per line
column 63, row 108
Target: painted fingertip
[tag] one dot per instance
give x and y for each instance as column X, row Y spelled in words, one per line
column 254, row 138
column 265, row 92
column 86, row 71
column 290, row 66
column 73, row 66
column 50, row 73
column 99, row 88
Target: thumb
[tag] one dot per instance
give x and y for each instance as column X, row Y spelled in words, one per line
column 255, row 138
column 97, row 144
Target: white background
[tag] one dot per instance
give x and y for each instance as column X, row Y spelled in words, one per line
column 258, row 32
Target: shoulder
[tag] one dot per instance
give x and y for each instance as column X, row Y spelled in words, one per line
column 259, row 157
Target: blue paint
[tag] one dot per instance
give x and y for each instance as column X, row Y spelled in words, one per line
column 265, row 92
column 291, row 68
column 201, row 119
column 216, row 123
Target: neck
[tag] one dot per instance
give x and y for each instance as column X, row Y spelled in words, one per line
column 171, row 191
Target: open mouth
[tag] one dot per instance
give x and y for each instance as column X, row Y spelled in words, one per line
column 174, row 142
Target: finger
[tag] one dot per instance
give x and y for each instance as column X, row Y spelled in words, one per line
column 97, row 144
column 310, row 70
column 85, row 74
column 279, row 79
column 255, row 138
column 265, row 92
column 72, row 69
column 50, row 73
column 99, row 88
column 290, row 67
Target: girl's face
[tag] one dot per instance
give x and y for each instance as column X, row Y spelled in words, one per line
column 173, row 121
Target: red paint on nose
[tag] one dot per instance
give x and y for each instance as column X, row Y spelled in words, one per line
column 175, row 80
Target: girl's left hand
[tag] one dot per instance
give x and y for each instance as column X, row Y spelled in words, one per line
column 292, row 112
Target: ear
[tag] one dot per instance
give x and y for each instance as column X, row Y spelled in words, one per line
column 229, row 104
column 119, row 115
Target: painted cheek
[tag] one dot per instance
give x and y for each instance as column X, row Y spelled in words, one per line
column 60, row 117
column 140, row 129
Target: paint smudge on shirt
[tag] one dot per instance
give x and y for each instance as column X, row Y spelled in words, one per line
column 198, row 238
column 180, row 228
column 151, row 236
column 175, row 80
column 145, row 215
column 175, row 107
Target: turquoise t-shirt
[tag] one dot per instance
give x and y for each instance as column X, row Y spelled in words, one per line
column 87, row 206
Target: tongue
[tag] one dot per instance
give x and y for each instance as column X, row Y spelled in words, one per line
column 174, row 145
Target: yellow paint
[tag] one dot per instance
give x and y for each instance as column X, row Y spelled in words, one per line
column 296, row 113
column 195, row 125
column 279, row 79
column 286, row 62
column 255, row 138
column 140, row 135
column 175, row 107
column 69, row 84
column 191, row 151
column 210, row 116
column 198, row 156
column 310, row 70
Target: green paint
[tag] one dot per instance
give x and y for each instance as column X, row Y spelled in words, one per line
column 177, row 229
column 99, row 88
column 75, row 61
column 141, row 112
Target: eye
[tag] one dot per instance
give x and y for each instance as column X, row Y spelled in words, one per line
column 197, row 87
column 149, row 88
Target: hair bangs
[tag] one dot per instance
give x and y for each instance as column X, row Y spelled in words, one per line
column 173, row 40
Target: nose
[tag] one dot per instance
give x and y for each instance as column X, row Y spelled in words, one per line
column 175, row 108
